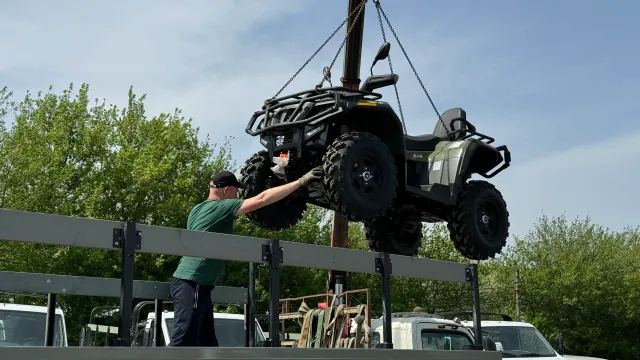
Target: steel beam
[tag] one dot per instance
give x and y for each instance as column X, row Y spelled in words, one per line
column 185, row 353
column 110, row 287
column 65, row 230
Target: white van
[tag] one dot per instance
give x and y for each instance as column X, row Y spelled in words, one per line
column 229, row 329
column 25, row 325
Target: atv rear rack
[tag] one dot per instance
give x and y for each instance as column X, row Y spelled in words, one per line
column 303, row 103
column 471, row 131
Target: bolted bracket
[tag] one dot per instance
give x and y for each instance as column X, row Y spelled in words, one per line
column 381, row 268
column 119, row 238
column 468, row 273
column 266, row 254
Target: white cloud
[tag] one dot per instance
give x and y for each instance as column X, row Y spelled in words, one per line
column 218, row 60
column 200, row 56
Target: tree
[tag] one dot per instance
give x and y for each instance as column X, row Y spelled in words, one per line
column 66, row 156
column 69, row 155
column 579, row 280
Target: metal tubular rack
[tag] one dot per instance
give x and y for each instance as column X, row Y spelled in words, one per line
column 130, row 238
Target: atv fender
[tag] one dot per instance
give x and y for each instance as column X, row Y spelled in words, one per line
column 379, row 119
column 453, row 162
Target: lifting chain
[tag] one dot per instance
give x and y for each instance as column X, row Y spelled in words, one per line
column 326, row 70
column 379, row 10
column 395, row 86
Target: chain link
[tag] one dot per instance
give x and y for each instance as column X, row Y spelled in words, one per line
column 379, row 7
column 327, row 70
column 317, row 51
column 395, row 86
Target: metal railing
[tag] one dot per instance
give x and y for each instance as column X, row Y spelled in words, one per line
column 130, row 238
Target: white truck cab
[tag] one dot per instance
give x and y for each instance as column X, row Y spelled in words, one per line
column 229, row 330
column 25, row 325
column 421, row 331
column 517, row 339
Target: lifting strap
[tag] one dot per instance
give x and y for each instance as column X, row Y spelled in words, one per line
column 324, row 328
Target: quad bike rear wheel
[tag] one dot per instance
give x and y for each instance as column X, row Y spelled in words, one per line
column 394, row 235
column 360, row 176
column 479, row 223
column 257, row 174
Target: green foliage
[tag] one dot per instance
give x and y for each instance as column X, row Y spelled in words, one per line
column 65, row 155
column 70, row 155
column 581, row 280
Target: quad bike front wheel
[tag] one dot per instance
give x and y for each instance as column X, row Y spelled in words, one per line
column 360, row 176
column 479, row 223
column 394, row 235
column 257, row 174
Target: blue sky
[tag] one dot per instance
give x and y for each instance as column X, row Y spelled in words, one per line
column 555, row 81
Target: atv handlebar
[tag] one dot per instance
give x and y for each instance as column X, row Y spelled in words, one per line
column 319, row 91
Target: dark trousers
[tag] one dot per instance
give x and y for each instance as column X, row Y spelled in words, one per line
column 193, row 314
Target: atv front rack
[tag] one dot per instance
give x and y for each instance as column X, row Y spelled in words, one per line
column 277, row 112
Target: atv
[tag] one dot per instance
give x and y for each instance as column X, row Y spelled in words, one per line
column 376, row 174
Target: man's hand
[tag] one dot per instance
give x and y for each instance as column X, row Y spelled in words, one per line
column 278, row 193
column 312, row 176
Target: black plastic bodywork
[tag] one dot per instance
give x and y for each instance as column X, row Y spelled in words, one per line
column 431, row 167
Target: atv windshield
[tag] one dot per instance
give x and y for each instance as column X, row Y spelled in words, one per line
column 519, row 341
column 27, row 328
column 230, row 332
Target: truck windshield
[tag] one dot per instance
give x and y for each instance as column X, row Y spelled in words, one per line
column 436, row 340
column 230, row 332
column 443, row 340
column 519, row 341
column 26, row 328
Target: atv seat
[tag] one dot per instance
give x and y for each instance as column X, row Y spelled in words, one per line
column 455, row 119
column 426, row 142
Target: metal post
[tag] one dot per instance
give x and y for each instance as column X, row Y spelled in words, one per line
column 337, row 282
column 383, row 267
column 273, row 254
column 517, row 295
column 353, row 48
column 472, row 278
column 251, row 305
column 51, row 320
column 127, row 239
column 158, row 340
column 247, row 325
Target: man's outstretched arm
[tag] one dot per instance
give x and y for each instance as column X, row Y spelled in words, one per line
column 278, row 193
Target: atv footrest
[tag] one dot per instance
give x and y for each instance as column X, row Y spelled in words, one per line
column 436, row 192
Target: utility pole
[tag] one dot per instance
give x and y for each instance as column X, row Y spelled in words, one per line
column 517, row 295
column 337, row 282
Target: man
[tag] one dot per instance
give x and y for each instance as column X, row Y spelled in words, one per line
column 195, row 277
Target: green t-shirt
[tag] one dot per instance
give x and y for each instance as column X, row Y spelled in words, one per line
column 213, row 216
